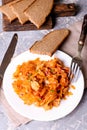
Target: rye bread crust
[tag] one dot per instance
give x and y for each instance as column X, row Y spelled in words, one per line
column 38, row 11
column 5, row 9
column 50, row 42
column 19, row 8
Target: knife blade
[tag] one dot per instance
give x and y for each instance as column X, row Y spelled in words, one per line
column 7, row 57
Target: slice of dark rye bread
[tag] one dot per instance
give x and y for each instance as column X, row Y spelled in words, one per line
column 18, row 9
column 50, row 42
column 5, row 9
column 38, row 11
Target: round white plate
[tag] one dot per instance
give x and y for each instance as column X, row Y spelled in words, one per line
column 37, row 113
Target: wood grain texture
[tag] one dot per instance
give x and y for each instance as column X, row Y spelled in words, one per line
column 62, row 10
column 16, row 26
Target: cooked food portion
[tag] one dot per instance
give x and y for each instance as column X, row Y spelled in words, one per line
column 42, row 83
column 38, row 11
column 50, row 42
column 19, row 8
column 5, row 9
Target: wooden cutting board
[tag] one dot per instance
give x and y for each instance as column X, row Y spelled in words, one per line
column 58, row 10
column 16, row 26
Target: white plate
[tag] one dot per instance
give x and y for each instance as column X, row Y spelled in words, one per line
column 36, row 113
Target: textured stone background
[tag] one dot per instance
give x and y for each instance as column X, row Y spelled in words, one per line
column 77, row 120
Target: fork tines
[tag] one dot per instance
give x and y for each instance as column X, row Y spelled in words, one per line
column 75, row 67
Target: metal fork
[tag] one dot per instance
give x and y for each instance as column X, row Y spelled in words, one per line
column 76, row 62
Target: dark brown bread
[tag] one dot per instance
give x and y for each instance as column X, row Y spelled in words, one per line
column 19, row 8
column 38, row 11
column 5, row 9
column 50, row 42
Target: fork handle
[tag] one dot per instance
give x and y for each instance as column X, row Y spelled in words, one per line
column 0, row 80
column 83, row 31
